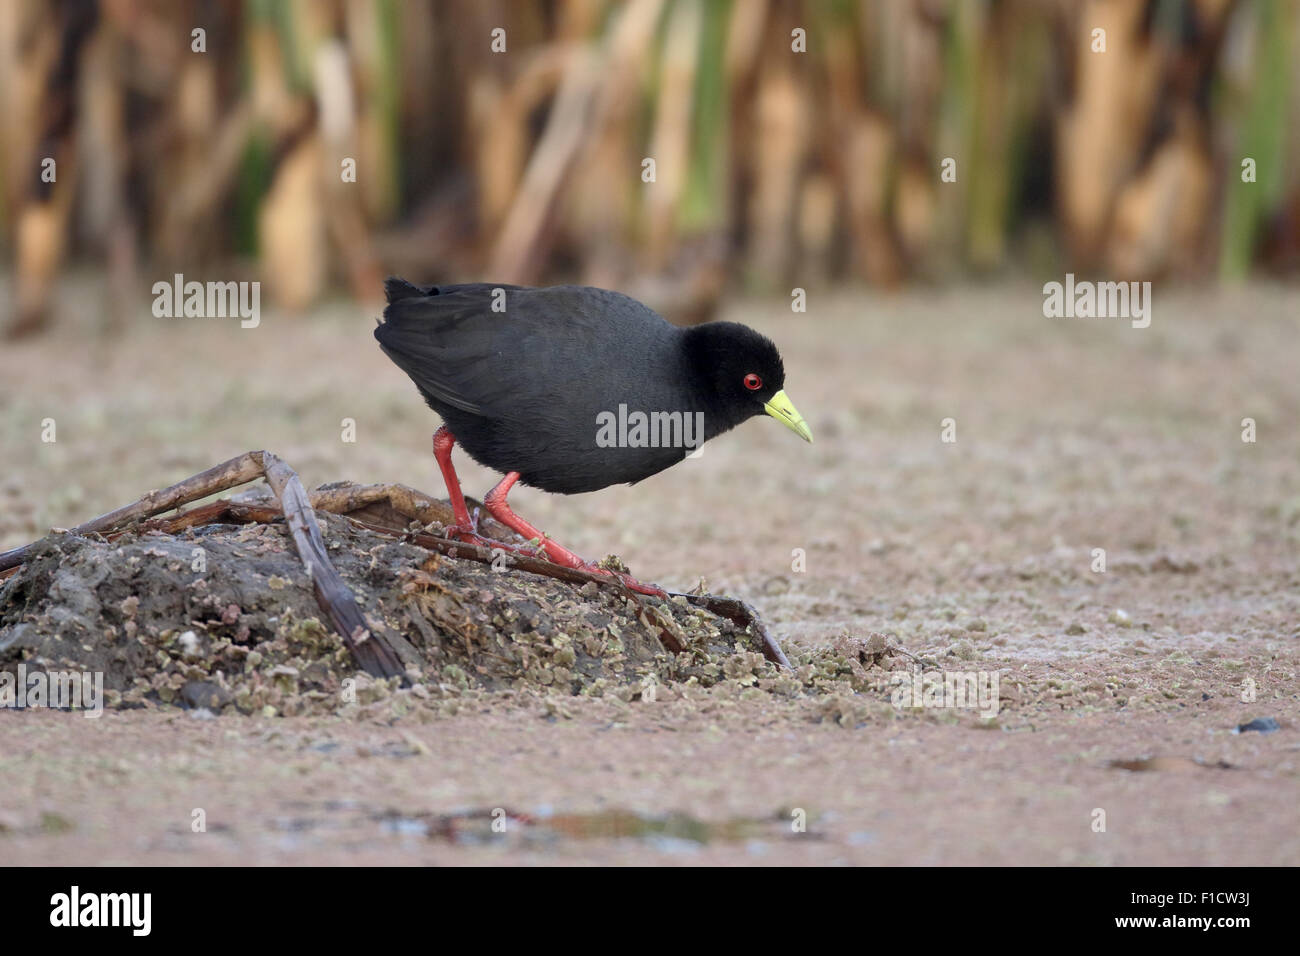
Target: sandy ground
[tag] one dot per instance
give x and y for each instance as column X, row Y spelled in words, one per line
column 977, row 555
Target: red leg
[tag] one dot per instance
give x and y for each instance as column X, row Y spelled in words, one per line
column 466, row 527
column 443, row 440
column 496, row 504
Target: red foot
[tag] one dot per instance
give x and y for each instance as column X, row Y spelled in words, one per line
column 496, row 504
column 466, row 527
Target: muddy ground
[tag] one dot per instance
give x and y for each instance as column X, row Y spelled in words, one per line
column 1119, row 691
column 243, row 632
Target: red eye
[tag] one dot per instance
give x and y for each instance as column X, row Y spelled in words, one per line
column 753, row 382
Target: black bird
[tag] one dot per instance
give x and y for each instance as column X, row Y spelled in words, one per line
column 572, row 389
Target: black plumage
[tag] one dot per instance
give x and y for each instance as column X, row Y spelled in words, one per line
column 525, row 388
column 548, row 385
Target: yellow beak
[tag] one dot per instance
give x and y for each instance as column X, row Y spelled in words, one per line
column 782, row 409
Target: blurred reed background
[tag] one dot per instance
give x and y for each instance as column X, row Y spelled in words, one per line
column 774, row 168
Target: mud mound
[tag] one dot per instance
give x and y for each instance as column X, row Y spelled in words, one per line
column 223, row 616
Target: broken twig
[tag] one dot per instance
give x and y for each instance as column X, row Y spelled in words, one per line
column 371, row 651
column 378, row 508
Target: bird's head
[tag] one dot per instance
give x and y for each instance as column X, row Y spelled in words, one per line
column 746, row 373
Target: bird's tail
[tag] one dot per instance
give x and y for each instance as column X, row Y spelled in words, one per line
column 396, row 289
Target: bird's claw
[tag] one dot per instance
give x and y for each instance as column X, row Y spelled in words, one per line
column 469, row 535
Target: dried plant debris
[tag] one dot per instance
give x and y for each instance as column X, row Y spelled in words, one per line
column 222, row 617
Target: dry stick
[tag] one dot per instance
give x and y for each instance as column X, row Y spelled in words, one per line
column 733, row 609
column 739, row 612
column 372, row 652
column 235, row 512
column 406, row 500
column 523, row 562
column 339, row 499
column 221, row 477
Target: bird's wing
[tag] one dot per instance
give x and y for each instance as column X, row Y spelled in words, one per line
column 458, row 350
